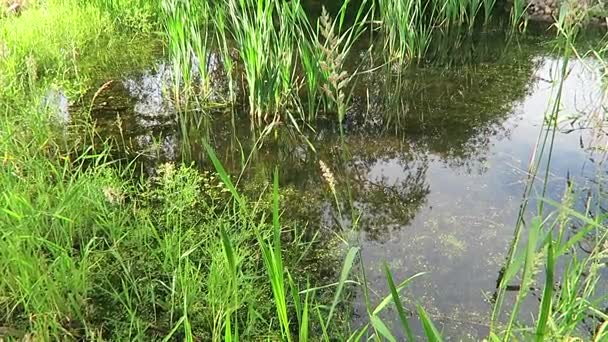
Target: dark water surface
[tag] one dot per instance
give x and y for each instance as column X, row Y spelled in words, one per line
column 437, row 164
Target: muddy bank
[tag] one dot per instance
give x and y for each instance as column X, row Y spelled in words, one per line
column 548, row 10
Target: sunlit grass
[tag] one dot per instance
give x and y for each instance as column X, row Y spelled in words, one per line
column 91, row 252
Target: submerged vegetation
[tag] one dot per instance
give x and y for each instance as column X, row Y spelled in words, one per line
column 94, row 247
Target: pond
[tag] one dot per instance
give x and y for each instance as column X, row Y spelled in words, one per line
column 435, row 158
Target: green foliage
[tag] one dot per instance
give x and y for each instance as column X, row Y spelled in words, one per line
column 186, row 27
column 89, row 252
column 62, row 45
column 264, row 36
column 135, row 256
column 46, row 43
column 135, row 16
column 407, row 29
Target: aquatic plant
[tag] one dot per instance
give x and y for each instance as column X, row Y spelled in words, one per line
column 488, row 8
column 322, row 54
column 518, row 15
column 266, row 52
column 457, row 12
column 186, row 26
column 559, row 314
column 335, row 77
column 91, row 251
column 407, row 29
column 407, row 26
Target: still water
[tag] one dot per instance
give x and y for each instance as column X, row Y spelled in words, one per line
column 437, row 160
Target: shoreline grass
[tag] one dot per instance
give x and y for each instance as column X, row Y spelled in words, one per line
column 90, row 252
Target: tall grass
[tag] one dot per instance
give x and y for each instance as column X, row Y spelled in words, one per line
column 266, row 52
column 457, row 12
column 407, row 27
column 45, row 44
column 488, row 8
column 560, row 316
column 282, row 283
column 187, row 27
column 91, row 252
column 338, row 43
column 518, row 17
column 134, row 16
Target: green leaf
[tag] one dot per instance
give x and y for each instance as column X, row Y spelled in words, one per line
column 432, row 334
column 348, row 264
column 304, row 322
column 172, row 332
column 13, row 214
column 545, row 306
column 224, row 175
column 228, row 252
column 388, row 298
column 400, row 310
column 381, row 328
column 358, row 334
column 533, row 234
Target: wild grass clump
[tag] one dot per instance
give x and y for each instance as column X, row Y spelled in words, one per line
column 338, row 42
column 407, row 26
column 458, row 12
column 407, row 29
column 92, row 252
column 47, row 43
column 270, row 47
column 187, row 29
column 134, row 16
column 264, row 36
column 89, row 257
column 63, row 45
column 571, row 301
column 569, row 297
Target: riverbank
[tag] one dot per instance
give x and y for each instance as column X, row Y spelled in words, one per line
column 216, row 171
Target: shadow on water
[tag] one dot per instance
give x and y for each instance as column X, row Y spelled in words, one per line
column 437, row 163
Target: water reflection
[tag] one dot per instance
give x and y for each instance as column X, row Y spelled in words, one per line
column 436, row 163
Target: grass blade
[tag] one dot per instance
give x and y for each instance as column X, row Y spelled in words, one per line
column 388, row 298
column 224, row 175
column 381, row 328
column 229, row 252
column 545, row 306
column 527, row 273
column 400, row 310
column 348, row 264
column 432, row 334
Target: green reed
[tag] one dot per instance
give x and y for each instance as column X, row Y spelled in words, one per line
column 186, row 25
column 220, row 23
column 457, row 12
column 518, row 16
column 91, row 252
column 263, row 32
column 407, row 28
column 488, row 8
column 560, row 315
column 322, row 54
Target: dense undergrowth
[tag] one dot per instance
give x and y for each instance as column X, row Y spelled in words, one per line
column 91, row 250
